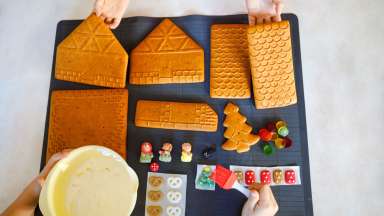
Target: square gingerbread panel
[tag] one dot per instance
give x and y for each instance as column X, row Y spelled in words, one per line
column 88, row 117
column 230, row 70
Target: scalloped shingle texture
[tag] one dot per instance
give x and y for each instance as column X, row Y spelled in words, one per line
column 230, row 70
column 271, row 65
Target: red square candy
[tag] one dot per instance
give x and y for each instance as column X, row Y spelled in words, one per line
column 265, row 177
column 250, row 177
column 290, row 177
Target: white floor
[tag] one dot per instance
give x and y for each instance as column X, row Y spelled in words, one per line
column 342, row 46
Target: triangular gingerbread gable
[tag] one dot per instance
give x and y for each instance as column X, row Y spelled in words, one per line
column 167, row 37
column 93, row 35
column 91, row 54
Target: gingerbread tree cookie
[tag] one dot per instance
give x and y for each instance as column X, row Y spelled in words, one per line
column 238, row 132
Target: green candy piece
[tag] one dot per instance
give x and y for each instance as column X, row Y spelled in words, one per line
column 283, row 131
column 268, row 149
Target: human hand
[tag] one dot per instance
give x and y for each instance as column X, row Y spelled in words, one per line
column 27, row 201
column 264, row 11
column 111, row 11
column 261, row 202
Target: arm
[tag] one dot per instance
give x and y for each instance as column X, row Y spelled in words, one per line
column 26, row 202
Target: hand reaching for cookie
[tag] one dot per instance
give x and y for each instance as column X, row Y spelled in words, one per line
column 264, row 11
column 111, row 11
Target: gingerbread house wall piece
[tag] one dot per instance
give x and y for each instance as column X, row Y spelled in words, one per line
column 167, row 55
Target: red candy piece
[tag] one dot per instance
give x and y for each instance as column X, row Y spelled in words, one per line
column 265, row 135
column 271, row 127
column 290, row 177
column 250, row 177
column 154, row 167
column 287, row 142
column 265, row 177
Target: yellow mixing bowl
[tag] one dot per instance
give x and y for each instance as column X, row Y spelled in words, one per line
column 91, row 180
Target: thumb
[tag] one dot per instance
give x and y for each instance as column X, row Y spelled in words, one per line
column 252, row 201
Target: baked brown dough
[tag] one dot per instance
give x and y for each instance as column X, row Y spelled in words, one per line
column 230, row 75
column 92, row 55
column 238, row 132
column 176, row 115
column 167, row 55
column 272, row 68
column 88, row 117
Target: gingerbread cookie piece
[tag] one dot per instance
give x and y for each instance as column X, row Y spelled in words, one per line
column 92, row 55
column 238, row 132
column 155, row 196
column 230, row 70
column 176, row 115
column 156, row 181
column 167, row 55
column 174, row 211
column 273, row 76
column 154, row 210
column 85, row 117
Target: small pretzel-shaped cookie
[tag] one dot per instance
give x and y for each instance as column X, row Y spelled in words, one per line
column 174, row 197
column 173, row 211
column 174, row 182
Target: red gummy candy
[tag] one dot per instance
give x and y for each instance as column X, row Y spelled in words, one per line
column 265, row 177
column 271, row 127
column 287, row 142
column 290, row 177
column 154, row 167
column 265, row 135
column 250, row 177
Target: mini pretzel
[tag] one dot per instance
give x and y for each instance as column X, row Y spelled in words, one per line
column 173, row 211
column 174, row 197
column 174, row 182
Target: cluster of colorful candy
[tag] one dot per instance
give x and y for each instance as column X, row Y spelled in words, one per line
column 266, row 176
column 146, row 154
column 204, row 182
column 277, row 133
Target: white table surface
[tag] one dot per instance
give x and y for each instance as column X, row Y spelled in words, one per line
column 342, row 46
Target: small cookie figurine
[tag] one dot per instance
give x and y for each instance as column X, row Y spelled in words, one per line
column 146, row 154
column 165, row 153
column 186, row 152
column 156, row 181
column 155, row 196
column 154, row 210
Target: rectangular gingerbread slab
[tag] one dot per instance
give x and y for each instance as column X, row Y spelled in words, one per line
column 175, row 115
column 273, row 75
column 88, row 117
column 230, row 71
column 293, row 201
